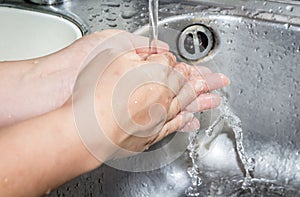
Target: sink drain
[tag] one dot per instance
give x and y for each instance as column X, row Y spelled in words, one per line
column 195, row 42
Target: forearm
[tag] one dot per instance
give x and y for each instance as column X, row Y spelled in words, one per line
column 40, row 154
column 33, row 87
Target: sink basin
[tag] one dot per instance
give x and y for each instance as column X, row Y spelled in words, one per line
column 261, row 58
column 28, row 34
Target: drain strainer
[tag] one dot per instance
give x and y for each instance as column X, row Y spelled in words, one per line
column 195, row 42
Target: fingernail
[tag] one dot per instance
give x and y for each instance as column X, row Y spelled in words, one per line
column 224, row 79
column 199, row 85
column 193, row 125
column 215, row 100
column 187, row 116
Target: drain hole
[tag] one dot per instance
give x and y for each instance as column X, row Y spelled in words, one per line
column 189, row 43
column 203, row 41
column 195, row 42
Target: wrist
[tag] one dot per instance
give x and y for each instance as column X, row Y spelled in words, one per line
column 85, row 159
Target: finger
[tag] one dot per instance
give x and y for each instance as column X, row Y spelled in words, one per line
column 189, row 92
column 178, row 77
column 204, row 102
column 99, row 37
column 125, row 41
column 199, row 71
column 185, row 96
column 173, row 125
column 184, row 69
column 215, row 81
column 106, row 33
column 192, row 72
column 175, row 80
column 192, row 89
column 132, row 56
column 141, row 44
column 193, row 125
column 199, row 74
column 166, row 58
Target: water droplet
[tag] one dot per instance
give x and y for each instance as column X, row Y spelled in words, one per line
column 289, row 8
column 227, row 25
column 95, row 15
column 222, row 32
column 48, row 191
column 171, row 187
column 269, row 54
column 287, row 26
column 229, row 41
column 127, row 14
column 144, row 184
column 111, row 17
column 241, row 91
column 261, row 66
column 112, row 25
column 111, row 4
column 105, row 10
column 250, row 26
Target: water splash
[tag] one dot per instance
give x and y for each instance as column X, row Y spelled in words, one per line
column 193, row 171
column 234, row 122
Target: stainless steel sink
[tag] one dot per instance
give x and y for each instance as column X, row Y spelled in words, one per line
column 257, row 45
column 261, row 57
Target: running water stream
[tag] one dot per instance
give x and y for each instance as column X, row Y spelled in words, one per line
column 234, row 122
column 153, row 24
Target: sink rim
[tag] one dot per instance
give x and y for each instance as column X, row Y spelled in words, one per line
column 67, row 15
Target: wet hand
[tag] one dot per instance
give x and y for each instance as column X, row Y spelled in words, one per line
column 139, row 97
